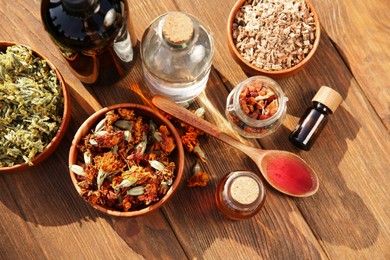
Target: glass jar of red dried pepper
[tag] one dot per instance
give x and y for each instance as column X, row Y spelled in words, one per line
column 256, row 107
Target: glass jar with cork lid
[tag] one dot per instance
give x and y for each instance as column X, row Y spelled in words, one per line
column 176, row 51
column 240, row 195
column 256, row 107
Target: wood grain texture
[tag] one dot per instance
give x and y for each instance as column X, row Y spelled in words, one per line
column 43, row 216
column 355, row 127
column 360, row 32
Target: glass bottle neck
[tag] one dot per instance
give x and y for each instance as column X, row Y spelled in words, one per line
column 80, row 7
column 321, row 108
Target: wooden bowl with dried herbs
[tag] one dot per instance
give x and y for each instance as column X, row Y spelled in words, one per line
column 34, row 107
column 126, row 160
column 271, row 37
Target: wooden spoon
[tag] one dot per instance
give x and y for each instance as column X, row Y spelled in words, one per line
column 284, row 171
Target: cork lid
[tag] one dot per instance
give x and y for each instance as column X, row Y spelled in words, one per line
column 245, row 190
column 329, row 97
column 178, row 28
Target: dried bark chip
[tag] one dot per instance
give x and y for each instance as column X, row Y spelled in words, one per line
column 272, row 34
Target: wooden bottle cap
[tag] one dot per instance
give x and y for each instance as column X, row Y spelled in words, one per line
column 329, row 97
column 178, row 28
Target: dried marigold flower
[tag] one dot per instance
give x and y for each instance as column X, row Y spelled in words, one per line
column 111, row 117
column 189, row 134
column 109, row 140
column 127, row 114
column 138, row 129
column 118, row 172
column 150, row 193
column 109, row 162
column 126, row 203
column 168, row 143
column 198, row 179
column 189, row 141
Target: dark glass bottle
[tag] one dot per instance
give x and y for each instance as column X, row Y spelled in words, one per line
column 314, row 119
column 92, row 35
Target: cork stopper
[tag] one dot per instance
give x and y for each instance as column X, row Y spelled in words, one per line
column 178, row 28
column 329, row 97
column 245, row 190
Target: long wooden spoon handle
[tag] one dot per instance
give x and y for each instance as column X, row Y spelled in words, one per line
column 83, row 97
column 186, row 116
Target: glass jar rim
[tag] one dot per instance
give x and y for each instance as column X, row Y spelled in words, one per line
column 282, row 100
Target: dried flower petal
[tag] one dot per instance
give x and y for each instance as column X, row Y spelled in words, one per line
column 124, row 124
column 78, row 170
column 136, row 191
column 118, row 163
column 157, row 165
column 198, row 179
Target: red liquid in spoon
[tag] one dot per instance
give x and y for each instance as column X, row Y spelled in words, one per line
column 290, row 175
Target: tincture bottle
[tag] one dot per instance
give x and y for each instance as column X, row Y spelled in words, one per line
column 314, row 119
column 93, row 36
column 240, row 195
column 176, row 51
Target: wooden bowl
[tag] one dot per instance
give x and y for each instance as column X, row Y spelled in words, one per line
column 252, row 69
column 64, row 123
column 148, row 113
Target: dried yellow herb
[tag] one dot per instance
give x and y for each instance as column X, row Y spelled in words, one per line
column 31, row 105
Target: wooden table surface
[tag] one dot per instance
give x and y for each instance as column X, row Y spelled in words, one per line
column 42, row 216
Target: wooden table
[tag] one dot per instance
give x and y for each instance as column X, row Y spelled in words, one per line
column 42, row 216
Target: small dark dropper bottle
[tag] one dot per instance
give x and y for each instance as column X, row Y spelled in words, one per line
column 314, row 119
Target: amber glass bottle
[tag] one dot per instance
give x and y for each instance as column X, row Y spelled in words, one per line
column 240, row 195
column 93, row 36
column 314, row 119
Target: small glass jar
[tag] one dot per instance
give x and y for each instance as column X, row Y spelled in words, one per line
column 176, row 52
column 240, row 195
column 256, row 107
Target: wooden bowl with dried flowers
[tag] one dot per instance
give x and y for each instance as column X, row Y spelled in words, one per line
column 126, row 160
column 273, row 38
column 35, row 109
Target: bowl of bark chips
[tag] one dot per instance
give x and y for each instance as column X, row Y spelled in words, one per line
column 272, row 37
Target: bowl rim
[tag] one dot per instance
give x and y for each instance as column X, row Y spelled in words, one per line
column 50, row 147
column 85, row 129
column 253, row 68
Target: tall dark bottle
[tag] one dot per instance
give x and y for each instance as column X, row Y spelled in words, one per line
column 94, row 37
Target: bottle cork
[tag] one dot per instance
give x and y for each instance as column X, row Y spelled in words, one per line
column 178, row 28
column 329, row 97
column 240, row 195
